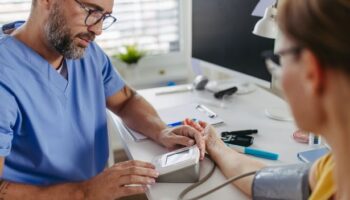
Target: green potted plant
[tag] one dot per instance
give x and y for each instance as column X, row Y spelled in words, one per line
column 130, row 55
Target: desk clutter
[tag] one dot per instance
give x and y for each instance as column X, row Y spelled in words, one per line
column 311, row 156
column 195, row 111
column 219, row 90
column 314, row 141
column 243, row 87
column 238, row 140
column 241, row 138
column 174, row 116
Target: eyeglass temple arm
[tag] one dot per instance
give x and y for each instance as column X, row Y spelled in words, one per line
column 274, row 69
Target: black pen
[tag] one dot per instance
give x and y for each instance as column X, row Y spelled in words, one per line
column 228, row 92
column 239, row 133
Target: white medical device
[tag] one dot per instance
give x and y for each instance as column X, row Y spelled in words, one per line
column 179, row 166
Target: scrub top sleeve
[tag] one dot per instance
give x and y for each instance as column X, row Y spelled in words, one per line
column 1, row 32
column 9, row 114
column 111, row 79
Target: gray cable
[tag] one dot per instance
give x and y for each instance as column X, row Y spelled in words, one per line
column 193, row 186
column 200, row 182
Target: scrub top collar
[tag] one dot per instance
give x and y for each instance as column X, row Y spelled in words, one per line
column 42, row 66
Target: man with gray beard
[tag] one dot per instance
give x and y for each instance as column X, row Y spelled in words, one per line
column 55, row 85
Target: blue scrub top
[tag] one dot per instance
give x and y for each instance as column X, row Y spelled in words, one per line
column 53, row 130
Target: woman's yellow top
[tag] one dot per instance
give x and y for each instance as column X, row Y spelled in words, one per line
column 324, row 188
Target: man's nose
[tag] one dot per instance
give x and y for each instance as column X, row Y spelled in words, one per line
column 96, row 28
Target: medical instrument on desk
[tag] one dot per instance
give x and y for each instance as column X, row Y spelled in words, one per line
column 179, row 166
column 174, row 90
column 301, row 136
column 205, row 109
column 239, row 133
column 243, row 86
column 227, row 92
column 180, row 169
column 312, row 155
column 200, row 82
column 179, row 123
column 314, row 139
column 242, row 140
column 254, row 152
column 205, row 178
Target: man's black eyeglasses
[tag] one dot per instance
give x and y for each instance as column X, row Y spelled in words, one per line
column 94, row 16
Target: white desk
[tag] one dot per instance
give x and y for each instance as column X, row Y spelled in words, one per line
column 243, row 112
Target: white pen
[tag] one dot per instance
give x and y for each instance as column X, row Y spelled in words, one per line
column 203, row 108
column 175, row 90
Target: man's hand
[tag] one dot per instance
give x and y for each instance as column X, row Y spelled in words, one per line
column 182, row 136
column 140, row 116
column 123, row 179
column 210, row 135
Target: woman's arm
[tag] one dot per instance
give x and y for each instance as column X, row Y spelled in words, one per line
column 275, row 182
column 232, row 163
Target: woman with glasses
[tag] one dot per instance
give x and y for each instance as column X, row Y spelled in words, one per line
column 315, row 60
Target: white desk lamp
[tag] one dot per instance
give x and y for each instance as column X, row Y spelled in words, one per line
column 267, row 27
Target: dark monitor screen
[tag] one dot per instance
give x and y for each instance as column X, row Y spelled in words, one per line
column 222, row 34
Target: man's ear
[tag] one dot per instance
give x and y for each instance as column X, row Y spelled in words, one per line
column 314, row 72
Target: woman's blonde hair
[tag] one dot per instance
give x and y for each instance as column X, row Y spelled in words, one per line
column 323, row 26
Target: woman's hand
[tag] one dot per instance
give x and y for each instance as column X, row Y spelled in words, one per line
column 212, row 140
column 184, row 136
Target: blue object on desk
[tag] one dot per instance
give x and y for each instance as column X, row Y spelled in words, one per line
column 179, row 123
column 261, row 153
column 311, row 156
column 255, row 152
column 175, row 124
column 171, row 83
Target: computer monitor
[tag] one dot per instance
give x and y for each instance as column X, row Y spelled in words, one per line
column 222, row 35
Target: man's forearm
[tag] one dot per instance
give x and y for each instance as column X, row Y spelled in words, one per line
column 232, row 163
column 140, row 116
column 14, row 191
column 1, row 165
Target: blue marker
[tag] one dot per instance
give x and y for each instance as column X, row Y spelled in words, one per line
column 178, row 123
column 254, row 152
column 175, row 124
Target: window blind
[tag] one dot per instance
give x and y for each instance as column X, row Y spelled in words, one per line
column 154, row 25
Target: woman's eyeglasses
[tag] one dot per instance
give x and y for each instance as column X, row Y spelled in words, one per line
column 275, row 57
column 273, row 60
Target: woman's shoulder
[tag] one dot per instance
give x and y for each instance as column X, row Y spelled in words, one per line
column 321, row 177
column 324, row 163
